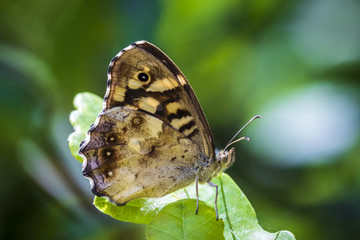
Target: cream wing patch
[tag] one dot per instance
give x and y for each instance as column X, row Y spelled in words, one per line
column 187, row 132
column 172, row 107
column 177, row 123
column 182, row 80
column 162, row 85
column 119, row 94
column 156, row 127
column 134, row 84
column 148, row 104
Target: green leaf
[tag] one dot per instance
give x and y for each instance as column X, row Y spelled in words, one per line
column 234, row 209
column 88, row 106
column 134, row 211
column 236, row 212
column 142, row 210
column 177, row 220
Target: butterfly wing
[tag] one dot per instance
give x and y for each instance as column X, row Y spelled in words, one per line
column 152, row 136
column 132, row 154
column 166, row 93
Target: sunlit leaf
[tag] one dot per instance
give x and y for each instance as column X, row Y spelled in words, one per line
column 177, row 220
column 237, row 217
column 140, row 210
column 133, row 211
column 87, row 106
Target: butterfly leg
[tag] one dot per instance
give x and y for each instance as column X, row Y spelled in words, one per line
column 197, row 194
column 216, row 195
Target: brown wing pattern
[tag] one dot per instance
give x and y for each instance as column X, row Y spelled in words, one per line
column 152, row 137
column 142, row 77
column 131, row 154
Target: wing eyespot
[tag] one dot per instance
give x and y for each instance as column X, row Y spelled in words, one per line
column 111, row 139
column 136, row 121
column 143, row 77
column 107, row 154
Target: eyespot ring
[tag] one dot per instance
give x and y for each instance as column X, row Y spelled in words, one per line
column 143, row 77
column 136, row 121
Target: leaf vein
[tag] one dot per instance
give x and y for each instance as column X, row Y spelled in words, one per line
column 162, row 230
column 200, row 225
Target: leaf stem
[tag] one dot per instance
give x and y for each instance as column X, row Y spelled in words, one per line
column 187, row 194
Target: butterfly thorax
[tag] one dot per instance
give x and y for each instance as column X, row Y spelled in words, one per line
column 223, row 160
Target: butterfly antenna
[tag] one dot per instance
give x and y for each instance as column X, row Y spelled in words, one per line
column 242, row 138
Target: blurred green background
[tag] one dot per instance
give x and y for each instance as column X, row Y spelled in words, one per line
column 297, row 63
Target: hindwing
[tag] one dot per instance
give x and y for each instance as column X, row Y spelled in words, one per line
column 131, row 154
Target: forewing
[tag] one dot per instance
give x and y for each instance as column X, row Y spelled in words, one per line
column 166, row 94
column 130, row 154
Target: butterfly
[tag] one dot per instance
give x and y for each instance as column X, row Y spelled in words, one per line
column 152, row 137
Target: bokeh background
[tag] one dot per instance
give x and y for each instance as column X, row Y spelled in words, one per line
column 297, row 63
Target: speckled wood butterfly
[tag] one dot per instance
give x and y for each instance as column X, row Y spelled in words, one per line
column 152, row 137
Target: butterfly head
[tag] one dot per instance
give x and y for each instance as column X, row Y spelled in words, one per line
column 225, row 158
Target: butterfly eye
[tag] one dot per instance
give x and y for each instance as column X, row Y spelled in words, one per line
column 143, row 77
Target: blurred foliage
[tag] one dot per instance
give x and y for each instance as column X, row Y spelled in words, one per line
column 241, row 57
